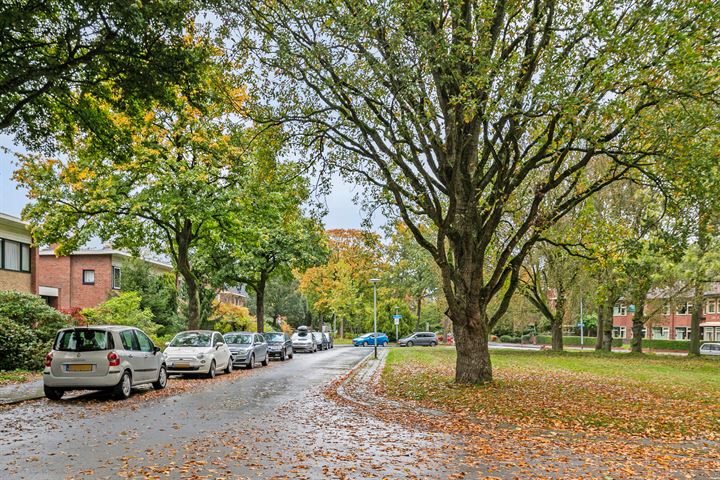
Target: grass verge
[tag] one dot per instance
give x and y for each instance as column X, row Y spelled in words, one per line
column 637, row 395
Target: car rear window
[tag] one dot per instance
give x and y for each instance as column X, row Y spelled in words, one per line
column 83, row 340
column 238, row 339
column 274, row 337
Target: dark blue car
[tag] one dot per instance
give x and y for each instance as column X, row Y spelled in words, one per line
column 370, row 339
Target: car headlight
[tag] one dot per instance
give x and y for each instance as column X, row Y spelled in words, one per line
column 200, row 355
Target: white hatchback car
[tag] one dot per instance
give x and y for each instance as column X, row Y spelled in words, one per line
column 102, row 358
column 710, row 349
column 198, row 351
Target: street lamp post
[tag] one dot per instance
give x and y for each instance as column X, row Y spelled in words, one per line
column 374, row 282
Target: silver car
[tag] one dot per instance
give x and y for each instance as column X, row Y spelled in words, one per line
column 304, row 341
column 198, row 352
column 247, row 348
column 113, row 357
column 321, row 340
column 710, row 349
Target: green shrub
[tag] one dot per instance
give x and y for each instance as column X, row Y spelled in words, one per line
column 515, row 340
column 32, row 312
column 505, row 338
column 526, row 338
column 573, row 341
column 124, row 309
column 20, row 347
column 674, row 345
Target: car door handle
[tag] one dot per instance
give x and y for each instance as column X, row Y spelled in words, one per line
column 131, row 356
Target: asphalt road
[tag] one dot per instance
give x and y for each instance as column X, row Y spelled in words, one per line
column 271, row 423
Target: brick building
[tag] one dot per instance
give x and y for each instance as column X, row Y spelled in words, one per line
column 16, row 256
column 84, row 278
column 670, row 319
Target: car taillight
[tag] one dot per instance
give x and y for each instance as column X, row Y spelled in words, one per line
column 113, row 359
column 48, row 359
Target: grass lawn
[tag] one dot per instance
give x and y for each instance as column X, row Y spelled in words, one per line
column 16, row 376
column 342, row 341
column 631, row 395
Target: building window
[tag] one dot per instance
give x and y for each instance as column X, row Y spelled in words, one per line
column 682, row 333
column 661, row 333
column 618, row 332
column 116, row 278
column 620, row 309
column 710, row 306
column 684, row 308
column 88, row 277
column 14, row 256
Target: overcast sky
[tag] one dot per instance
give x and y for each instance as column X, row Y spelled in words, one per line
column 342, row 211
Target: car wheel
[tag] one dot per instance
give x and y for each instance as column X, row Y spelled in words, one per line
column 121, row 391
column 54, row 393
column 365, row 344
column 283, row 355
column 229, row 366
column 251, row 362
column 432, row 344
column 265, row 361
column 211, row 371
column 162, row 379
column 384, row 344
column 409, row 344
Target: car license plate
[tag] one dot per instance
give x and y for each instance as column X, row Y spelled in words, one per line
column 182, row 365
column 79, row 367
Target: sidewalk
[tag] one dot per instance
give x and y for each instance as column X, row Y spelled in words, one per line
column 20, row 392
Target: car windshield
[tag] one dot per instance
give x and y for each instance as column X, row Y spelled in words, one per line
column 191, row 339
column 274, row 336
column 85, row 340
column 239, row 338
column 302, row 333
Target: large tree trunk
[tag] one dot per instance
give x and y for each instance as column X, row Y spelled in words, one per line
column 418, row 312
column 600, row 326
column 698, row 286
column 191, row 281
column 473, row 354
column 342, row 327
column 557, row 336
column 558, row 319
column 260, row 301
column 608, row 327
column 638, row 322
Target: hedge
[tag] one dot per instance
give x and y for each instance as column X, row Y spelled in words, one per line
column 675, row 345
column 574, row 341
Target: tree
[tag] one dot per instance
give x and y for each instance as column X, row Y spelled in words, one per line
column 342, row 286
column 271, row 236
column 489, row 120
column 158, row 293
column 168, row 179
column 56, row 51
column 283, row 301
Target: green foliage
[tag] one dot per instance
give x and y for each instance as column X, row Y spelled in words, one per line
column 673, row 345
column 575, row 341
column 56, row 53
column 157, row 293
column 124, row 309
column 20, row 347
column 32, row 312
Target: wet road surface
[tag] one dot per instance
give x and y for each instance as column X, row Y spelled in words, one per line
column 271, row 423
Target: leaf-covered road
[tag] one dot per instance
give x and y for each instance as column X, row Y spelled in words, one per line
column 273, row 422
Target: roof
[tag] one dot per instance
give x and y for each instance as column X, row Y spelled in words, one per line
column 240, row 291
column 106, row 251
column 12, row 218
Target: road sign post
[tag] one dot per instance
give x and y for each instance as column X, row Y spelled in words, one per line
column 397, row 318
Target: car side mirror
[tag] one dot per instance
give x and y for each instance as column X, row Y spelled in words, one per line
column 156, row 349
column 167, row 344
column 218, row 345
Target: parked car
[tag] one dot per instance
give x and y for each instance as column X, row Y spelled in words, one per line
column 304, row 341
column 114, row 358
column 247, row 348
column 710, row 349
column 321, row 340
column 427, row 339
column 198, row 352
column 279, row 345
column 331, row 343
column 371, row 339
